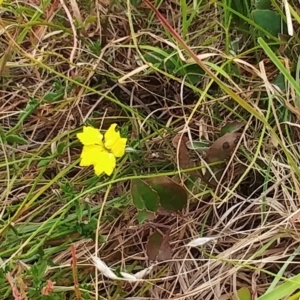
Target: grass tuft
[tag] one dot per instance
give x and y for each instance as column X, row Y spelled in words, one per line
column 160, row 70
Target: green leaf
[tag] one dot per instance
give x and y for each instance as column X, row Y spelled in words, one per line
column 44, row 162
column 15, row 139
column 172, row 196
column 87, row 228
column 279, row 80
column 198, row 145
column 135, row 3
column 90, row 20
column 31, row 106
column 242, row 8
column 79, row 79
column 143, row 196
column 171, row 62
column 162, row 59
column 283, row 290
column 61, row 148
column 38, row 270
column 263, row 4
column 193, row 72
column 286, row 73
column 232, row 127
column 268, row 19
column 282, row 270
column 144, row 215
column 244, row 294
column 55, row 96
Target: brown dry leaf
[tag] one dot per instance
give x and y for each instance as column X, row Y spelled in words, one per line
column 223, row 147
column 158, row 247
column 182, row 153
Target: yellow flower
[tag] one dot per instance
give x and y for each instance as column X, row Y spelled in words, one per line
column 90, row 136
column 114, row 142
column 98, row 153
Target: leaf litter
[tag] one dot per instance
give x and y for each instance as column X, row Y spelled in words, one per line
column 182, row 153
column 237, row 246
column 158, row 247
column 223, row 147
column 108, row 272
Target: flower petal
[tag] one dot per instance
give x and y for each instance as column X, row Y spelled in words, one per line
column 90, row 136
column 118, row 148
column 106, row 162
column 89, row 155
column 111, row 136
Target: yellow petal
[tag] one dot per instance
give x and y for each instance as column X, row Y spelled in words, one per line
column 90, row 136
column 89, row 155
column 106, row 163
column 98, row 169
column 111, row 136
column 118, row 148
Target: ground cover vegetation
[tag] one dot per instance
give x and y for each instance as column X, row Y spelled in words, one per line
column 149, row 149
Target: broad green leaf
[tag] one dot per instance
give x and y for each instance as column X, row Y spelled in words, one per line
column 162, row 59
column 192, row 72
column 279, row 80
column 15, row 139
column 144, row 215
column 244, row 294
column 61, row 148
column 172, row 196
column 143, row 196
column 268, row 19
column 171, row 62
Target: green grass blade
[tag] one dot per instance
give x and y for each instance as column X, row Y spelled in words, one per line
column 283, row 290
column 280, row 66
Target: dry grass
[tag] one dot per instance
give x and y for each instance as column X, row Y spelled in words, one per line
column 69, row 64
